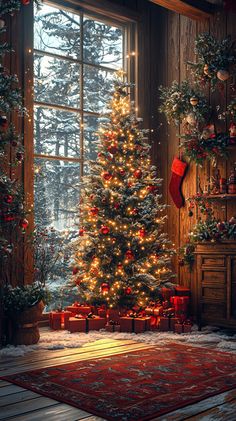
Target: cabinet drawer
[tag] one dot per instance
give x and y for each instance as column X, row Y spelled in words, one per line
column 213, row 311
column 213, row 277
column 213, row 293
column 213, row 261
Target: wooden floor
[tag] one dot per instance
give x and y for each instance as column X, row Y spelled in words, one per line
column 19, row 404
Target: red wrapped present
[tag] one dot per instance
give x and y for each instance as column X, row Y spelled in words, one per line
column 158, row 311
column 173, row 321
column 77, row 324
column 154, row 310
column 167, row 293
column 187, row 326
column 134, row 324
column 169, row 312
column 79, row 309
column 181, row 290
column 113, row 314
column 178, row 327
column 55, row 318
column 153, row 322
column 164, row 324
column 65, row 319
column 112, row 327
column 102, row 313
column 96, row 323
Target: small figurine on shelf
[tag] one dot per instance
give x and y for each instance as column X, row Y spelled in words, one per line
column 232, row 181
column 215, row 182
column 232, row 134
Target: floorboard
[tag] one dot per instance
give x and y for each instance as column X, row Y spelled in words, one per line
column 19, row 404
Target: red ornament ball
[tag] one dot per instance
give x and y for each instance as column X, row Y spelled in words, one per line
column 138, row 174
column 129, row 254
column 75, row 270
column 128, row 291
column 119, row 266
column 94, row 211
column 112, row 149
column 105, row 288
column 142, row 233
column 19, row 156
column 151, row 188
column 81, row 232
column 3, row 122
column 8, row 198
column 25, row 2
column 134, row 211
column 122, row 172
column 107, row 176
column 23, row 223
column 104, row 230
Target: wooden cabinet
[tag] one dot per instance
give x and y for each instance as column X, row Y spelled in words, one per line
column 214, row 289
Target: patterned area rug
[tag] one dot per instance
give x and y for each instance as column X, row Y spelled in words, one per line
column 136, row 386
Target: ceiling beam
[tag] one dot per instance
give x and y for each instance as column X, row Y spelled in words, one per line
column 194, row 9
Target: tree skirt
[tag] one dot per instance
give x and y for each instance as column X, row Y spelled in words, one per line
column 136, row 386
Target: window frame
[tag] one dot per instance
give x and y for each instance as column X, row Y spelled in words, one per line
column 118, row 15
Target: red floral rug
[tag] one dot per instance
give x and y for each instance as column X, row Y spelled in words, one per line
column 136, row 386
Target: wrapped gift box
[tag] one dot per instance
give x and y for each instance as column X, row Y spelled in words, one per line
column 112, row 328
column 173, row 322
column 136, row 325
column 113, row 314
column 65, row 318
column 178, row 328
column 79, row 309
column 164, row 324
column 155, row 311
column 55, row 319
column 154, row 322
column 181, row 306
column 187, row 326
column 102, row 313
column 182, row 291
column 76, row 324
column 96, row 323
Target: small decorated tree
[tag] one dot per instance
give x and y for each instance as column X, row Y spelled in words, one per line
column 122, row 256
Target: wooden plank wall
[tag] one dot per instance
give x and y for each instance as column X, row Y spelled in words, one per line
column 166, row 42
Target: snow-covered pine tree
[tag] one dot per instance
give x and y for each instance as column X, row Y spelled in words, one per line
column 122, row 256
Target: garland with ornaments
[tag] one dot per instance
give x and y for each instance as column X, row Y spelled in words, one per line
column 216, row 61
column 12, row 206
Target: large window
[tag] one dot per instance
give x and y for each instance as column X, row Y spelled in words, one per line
column 75, row 57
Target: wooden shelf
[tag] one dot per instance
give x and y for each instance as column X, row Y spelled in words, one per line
column 225, row 196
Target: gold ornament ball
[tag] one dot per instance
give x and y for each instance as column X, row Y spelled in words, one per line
column 191, row 119
column 206, row 69
column 223, row 75
column 193, row 100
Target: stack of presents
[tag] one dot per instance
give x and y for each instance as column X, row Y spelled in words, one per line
column 169, row 314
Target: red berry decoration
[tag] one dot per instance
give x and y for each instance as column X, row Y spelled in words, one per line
column 75, row 270
column 23, row 223
column 8, row 198
column 112, row 149
column 134, row 211
column 105, row 288
column 104, row 230
column 138, row 174
column 142, row 233
column 128, row 291
column 94, row 211
column 129, row 254
column 81, row 232
column 151, row 189
column 107, row 176
column 3, row 122
column 19, row 156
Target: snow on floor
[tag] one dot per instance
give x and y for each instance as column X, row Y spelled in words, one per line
column 211, row 337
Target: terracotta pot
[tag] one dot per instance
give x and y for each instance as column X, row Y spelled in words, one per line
column 25, row 330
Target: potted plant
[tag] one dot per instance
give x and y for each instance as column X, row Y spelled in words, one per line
column 24, row 305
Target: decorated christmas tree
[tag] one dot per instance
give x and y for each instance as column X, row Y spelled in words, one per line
column 122, row 256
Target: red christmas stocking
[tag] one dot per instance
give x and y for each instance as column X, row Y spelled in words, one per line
column 178, row 169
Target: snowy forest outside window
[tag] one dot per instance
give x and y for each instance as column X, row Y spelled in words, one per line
column 75, row 57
